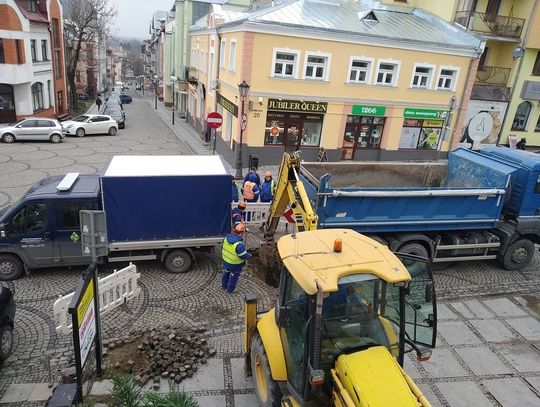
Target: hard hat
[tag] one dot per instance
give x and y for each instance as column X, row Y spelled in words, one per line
column 240, row 228
column 242, row 204
column 267, row 174
column 252, row 177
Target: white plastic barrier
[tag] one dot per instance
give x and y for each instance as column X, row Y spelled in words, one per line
column 257, row 213
column 114, row 290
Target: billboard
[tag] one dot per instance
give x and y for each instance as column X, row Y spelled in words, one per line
column 483, row 123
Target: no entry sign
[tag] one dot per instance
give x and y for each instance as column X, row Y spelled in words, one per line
column 214, row 120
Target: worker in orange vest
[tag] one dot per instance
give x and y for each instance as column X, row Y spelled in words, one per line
column 251, row 190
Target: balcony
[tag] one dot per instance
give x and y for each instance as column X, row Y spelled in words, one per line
column 491, row 24
column 492, row 75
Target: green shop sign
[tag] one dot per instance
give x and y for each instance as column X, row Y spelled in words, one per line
column 227, row 104
column 368, row 110
column 413, row 113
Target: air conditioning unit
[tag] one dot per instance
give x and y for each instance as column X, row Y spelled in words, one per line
column 214, row 85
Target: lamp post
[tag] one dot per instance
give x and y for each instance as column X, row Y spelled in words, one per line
column 173, row 80
column 155, row 91
column 243, row 89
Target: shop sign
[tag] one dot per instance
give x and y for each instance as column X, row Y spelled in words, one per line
column 433, row 123
column 368, row 110
column 297, row 106
column 531, row 90
column 425, row 113
column 86, row 314
column 227, row 104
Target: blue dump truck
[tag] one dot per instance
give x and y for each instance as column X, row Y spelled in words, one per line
column 480, row 205
column 156, row 207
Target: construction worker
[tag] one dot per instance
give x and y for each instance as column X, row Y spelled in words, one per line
column 250, row 190
column 234, row 255
column 268, row 187
column 238, row 214
column 234, row 190
column 253, row 170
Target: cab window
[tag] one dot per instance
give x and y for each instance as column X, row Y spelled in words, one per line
column 31, row 218
column 70, row 215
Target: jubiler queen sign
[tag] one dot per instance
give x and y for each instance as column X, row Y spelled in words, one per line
column 297, row 106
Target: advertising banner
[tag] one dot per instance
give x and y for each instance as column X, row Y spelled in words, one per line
column 483, row 123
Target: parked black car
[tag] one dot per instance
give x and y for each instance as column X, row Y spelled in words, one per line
column 116, row 112
column 126, row 99
column 7, row 317
column 84, row 97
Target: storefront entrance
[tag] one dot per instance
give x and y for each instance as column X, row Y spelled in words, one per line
column 361, row 132
column 7, row 104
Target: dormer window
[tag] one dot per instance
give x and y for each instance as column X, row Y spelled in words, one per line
column 31, row 5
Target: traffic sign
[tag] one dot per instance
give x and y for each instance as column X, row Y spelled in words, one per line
column 214, row 120
column 244, row 121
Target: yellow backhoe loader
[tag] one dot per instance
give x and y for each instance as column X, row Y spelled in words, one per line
column 348, row 310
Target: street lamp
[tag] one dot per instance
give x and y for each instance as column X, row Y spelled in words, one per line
column 243, row 89
column 173, row 80
column 155, row 91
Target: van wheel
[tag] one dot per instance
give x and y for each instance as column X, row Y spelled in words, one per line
column 10, row 267
column 55, row 138
column 80, row 132
column 518, row 255
column 8, row 138
column 178, row 261
column 6, row 342
column 113, row 131
column 267, row 390
column 416, row 249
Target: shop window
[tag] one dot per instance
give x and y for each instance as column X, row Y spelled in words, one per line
column 232, row 56
column 228, row 126
column 360, row 70
column 422, row 76
column 387, row 73
column 44, row 53
column 447, row 79
column 222, row 49
column 293, row 129
column 421, row 134
column 285, row 63
column 2, row 57
column 362, row 132
column 522, row 116
column 316, row 67
column 536, row 66
column 37, row 96
column 33, row 50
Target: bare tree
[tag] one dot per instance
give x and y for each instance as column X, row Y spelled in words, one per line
column 87, row 21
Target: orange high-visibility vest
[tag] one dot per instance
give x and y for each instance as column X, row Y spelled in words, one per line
column 248, row 190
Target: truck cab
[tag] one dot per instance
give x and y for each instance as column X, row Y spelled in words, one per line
column 42, row 229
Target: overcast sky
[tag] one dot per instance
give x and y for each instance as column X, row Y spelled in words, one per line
column 134, row 16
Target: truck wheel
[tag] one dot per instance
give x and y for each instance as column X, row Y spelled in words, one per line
column 6, row 342
column 10, row 267
column 416, row 249
column 518, row 255
column 267, row 390
column 178, row 261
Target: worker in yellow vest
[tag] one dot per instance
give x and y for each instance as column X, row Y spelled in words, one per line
column 234, row 255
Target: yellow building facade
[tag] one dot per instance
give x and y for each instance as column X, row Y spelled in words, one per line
column 381, row 95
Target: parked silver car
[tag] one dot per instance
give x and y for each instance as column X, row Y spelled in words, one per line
column 33, row 128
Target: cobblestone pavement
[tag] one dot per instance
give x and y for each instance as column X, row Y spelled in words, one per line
column 488, row 350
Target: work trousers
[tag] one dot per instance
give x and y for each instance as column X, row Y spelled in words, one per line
column 229, row 279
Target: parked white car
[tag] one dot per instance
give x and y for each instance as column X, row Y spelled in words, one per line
column 91, row 124
column 33, row 128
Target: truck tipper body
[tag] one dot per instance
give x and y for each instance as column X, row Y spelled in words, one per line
column 480, row 205
column 156, row 207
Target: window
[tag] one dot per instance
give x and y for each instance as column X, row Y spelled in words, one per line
column 522, row 116
column 56, row 33
column 387, row 73
column 33, row 217
column 228, row 126
column 44, row 123
column 211, row 72
column 422, row 76
column 31, row 5
column 37, row 96
column 285, row 63
column 316, row 66
column 363, row 132
column 19, row 44
column 360, row 70
column 447, row 79
column 57, row 64
column 536, row 67
column 33, row 50
column 44, row 53
column 70, row 215
column 537, row 128
column 49, row 92
column 2, row 57
column 421, row 134
column 77, row 76
column 232, row 56
column 222, row 49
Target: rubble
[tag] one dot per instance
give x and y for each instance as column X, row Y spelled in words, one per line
column 172, row 353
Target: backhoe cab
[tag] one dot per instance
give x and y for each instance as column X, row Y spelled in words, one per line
column 348, row 310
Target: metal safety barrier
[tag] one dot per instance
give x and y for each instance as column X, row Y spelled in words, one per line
column 257, row 213
column 114, row 290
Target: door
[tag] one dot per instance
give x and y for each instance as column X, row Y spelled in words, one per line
column 43, row 129
column 293, row 135
column 67, row 235
column 7, row 104
column 29, row 229
column 27, row 130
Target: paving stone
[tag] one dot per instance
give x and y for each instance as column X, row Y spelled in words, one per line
column 213, row 401
column 503, row 307
column 493, row 330
column 245, row 400
column 482, row 361
column 456, row 333
column 443, row 312
column 464, row 394
column 101, row 388
column 411, row 368
column 522, row 357
column 462, row 309
column 527, row 327
column 443, row 364
column 40, row 392
column 17, row 393
column 478, row 309
column 428, row 392
column 511, row 392
column 534, row 382
column 240, row 381
column 208, row 377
